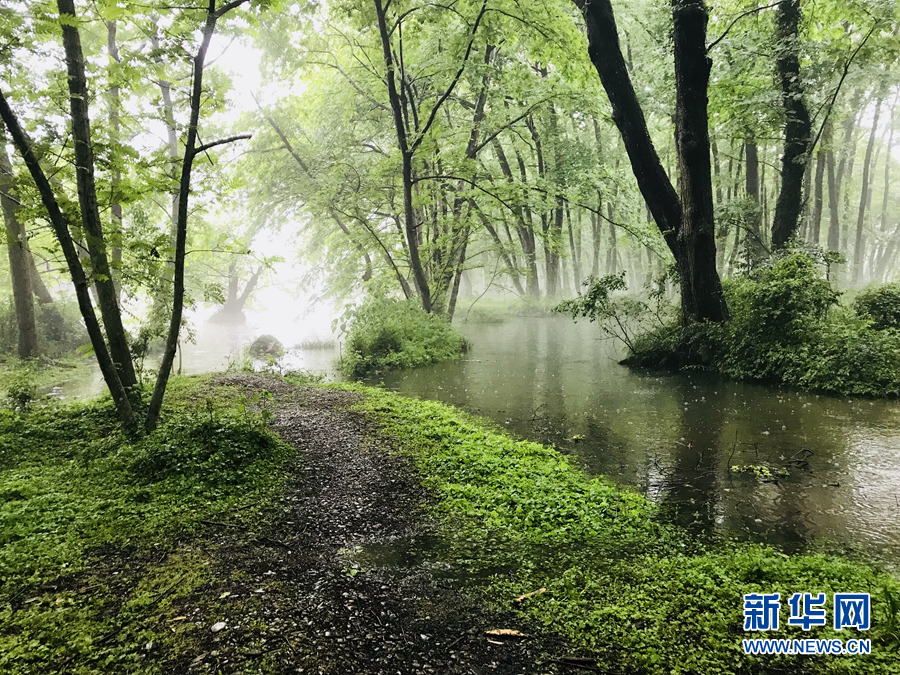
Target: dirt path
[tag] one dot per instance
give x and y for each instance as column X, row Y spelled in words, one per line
column 299, row 608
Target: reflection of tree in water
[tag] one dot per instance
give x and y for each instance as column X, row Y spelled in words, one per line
column 690, row 485
column 549, row 417
column 775, row 509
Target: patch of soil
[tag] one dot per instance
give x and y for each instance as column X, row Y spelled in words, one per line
column 295, row 605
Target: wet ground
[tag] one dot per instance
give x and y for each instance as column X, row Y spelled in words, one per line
column 281, row 594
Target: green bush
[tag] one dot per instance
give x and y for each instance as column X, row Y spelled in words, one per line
column 217, row 450
column 386, row 334
column 787, row 327
column 881, row 305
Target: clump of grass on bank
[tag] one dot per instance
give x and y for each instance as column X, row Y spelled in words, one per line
column 389, row 334
column 788, row 327
column 639, row 596
column 72, row 484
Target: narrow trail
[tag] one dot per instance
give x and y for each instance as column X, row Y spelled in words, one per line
column 297, row 607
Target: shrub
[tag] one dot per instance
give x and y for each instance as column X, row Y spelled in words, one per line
column 625, row 318
column 881, row 305
column 786, row 327
column 386, row 334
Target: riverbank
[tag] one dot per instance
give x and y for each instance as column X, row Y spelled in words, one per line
column 228, row 559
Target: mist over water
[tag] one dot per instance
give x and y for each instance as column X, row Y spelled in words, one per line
column 674, row 437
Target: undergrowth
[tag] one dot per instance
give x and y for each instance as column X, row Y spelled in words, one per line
column 73, row 486
column 639, row 596
column 787, row 326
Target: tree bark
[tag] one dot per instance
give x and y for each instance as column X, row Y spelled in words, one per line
column 19, row 264
column 696, row 236
column 798, row 127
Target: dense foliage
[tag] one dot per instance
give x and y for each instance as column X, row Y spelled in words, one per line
column 881, row 305
column 642, row 597
column 386, row 334
column 787, row 327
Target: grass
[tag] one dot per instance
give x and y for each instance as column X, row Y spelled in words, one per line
column 640, row 596
column 73, row 490
column 313, row 344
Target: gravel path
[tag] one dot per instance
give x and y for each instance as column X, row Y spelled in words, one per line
column 316, row 614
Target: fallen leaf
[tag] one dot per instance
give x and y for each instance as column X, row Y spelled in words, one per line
column 508, row 632
column 529, row 595
column 224, row 595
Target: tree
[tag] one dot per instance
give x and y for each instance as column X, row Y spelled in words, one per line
column 20, row 262
column 112, row 350
column 798, row 127
column 686, row 224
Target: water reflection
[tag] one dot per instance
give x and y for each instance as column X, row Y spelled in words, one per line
column 677, row 437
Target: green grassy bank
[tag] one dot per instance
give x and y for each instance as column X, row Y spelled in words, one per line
column 74, row 490
column 639, row 595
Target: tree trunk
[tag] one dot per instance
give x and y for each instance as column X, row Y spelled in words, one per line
column 818, row 200
column 612, row 253
column 19, row 267
column 798, row 128
column 115, row 207
column 702, row 297
column 87, row 199
column 858, row 249
column 575, row 252
column 756, row 245
column 184, row 186
column 694, row 248
column 533, row 284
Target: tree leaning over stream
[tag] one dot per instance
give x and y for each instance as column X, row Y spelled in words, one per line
column 112, row 350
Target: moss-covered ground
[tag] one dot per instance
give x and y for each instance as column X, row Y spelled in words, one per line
column 638, row 596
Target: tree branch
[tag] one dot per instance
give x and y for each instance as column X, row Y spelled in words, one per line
column 738, row 18
column 221, row 141
column 453, row 83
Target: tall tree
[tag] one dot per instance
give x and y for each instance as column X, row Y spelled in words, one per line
column 798, row 127
column 19, row 259
column 686, row 224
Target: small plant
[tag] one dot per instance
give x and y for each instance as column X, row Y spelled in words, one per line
column 621, row 317
column 21, row 393
column 762, row 472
